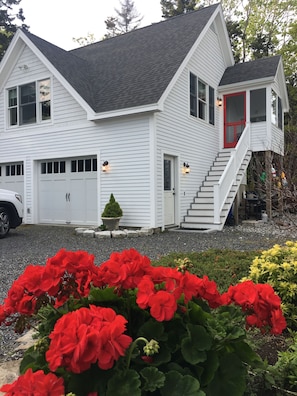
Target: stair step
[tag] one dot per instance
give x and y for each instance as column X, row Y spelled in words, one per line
column 202, row 226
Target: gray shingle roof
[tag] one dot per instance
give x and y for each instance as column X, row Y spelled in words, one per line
column 130, row 70
column 253, row 70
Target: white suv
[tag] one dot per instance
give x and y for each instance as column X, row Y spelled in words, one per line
column 11, row 211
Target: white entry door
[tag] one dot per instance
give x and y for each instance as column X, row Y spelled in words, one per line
column 169, row 191
column 68, row 191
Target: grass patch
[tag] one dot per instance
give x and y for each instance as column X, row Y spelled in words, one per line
column 225, row 267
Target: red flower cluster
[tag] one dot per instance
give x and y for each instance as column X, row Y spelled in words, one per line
column 261, row 304
column 67, row 273
column 86, row 336
column 35, row 384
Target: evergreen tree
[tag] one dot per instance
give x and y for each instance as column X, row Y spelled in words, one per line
column 127, row 19
column 8, row 25
column 172, row 8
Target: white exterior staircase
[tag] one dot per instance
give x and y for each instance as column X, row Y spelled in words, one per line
column 214, row 200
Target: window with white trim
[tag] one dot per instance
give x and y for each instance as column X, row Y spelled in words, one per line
column 29, row 103
column 202, row 102
column 276, row 110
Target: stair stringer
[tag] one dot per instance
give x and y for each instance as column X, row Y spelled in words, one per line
column 201, row 212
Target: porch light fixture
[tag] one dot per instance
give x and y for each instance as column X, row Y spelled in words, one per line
column 186, row 168
column 219, row 101
column 105, row 166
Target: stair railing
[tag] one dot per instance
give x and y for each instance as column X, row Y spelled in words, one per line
column 223, row 186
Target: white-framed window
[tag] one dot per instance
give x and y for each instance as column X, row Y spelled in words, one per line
column 276, row 110
column 29, row 103
column 202, row 102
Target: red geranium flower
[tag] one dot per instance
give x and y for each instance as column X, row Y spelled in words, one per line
column 163, row 305
column 35, row 384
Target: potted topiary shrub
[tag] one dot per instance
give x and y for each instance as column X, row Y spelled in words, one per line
column 112, row 214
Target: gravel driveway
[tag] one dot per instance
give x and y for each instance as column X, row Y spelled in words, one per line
column 35, row 243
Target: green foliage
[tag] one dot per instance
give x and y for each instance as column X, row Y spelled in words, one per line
column 226, row 267
column 7, row 23
column 285, row 369
column 278, row 267
column 172, row 8
column 112, row 208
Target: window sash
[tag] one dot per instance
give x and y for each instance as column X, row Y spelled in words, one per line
column 29, row 103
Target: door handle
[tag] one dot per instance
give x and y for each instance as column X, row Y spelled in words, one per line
column 67, row 197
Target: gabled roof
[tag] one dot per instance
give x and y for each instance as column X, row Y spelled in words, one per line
column 249, row 71
column 130, row 70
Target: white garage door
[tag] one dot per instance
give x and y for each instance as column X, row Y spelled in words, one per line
column 68, row 191
column 12, row 177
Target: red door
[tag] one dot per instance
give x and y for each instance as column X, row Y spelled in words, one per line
column 234, row 118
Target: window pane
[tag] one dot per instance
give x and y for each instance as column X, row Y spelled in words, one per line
column 12, row 97
column 43, row 168
column 45, row 90
column 87, row 165
column 279, row 114
column 193, row 95
column 258, row 105
column 211, row 106
column 13, row 116
column 62, row 167
column 28, row 114
column 95, row 164
column 73, row 166
column 202, row 91
column 167, row 175
column 273, row 107
column 80, row 165
column 56, row 167
column 27, row 93
column 45, row 99
column 49, row 167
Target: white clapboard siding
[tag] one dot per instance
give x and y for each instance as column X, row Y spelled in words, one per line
column 190, row 139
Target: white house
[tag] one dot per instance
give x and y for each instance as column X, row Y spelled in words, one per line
column 154, row 103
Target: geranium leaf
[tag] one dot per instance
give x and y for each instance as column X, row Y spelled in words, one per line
column 230, row 378
column 152, row 329
column 177, row 385
column 200, row 337
column 193, row 347
column 246, row 354
column 191, row 353
column 153, row 378
column 99, row 295
column 124, row 383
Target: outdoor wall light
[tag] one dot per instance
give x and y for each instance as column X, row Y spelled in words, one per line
column 186, row 168
column 105, row 166
column 219, row 101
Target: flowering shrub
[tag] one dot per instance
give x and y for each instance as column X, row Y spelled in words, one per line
column 128, row 328
column 278, row 267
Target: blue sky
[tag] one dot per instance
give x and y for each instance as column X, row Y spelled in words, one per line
column 58, row 21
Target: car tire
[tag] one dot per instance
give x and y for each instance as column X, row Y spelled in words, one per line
column 4, row 222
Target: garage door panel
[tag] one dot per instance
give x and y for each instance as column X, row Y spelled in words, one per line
column 71, row 196
column 52, row 201
column 12, row 177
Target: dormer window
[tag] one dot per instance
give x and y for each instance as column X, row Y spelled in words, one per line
column 29, row 103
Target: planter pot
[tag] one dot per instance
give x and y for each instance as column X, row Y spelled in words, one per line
column 111, row 223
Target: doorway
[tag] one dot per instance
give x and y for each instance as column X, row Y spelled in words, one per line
column 169, row 190
column 234, row 118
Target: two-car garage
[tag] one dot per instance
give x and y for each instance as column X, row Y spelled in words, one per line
column 67, row 189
